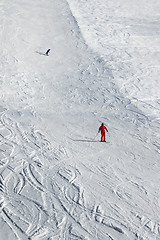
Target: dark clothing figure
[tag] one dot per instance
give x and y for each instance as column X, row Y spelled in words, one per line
column 103, row 135
column 48, row 51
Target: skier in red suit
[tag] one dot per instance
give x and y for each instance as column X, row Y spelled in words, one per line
column 103, row 135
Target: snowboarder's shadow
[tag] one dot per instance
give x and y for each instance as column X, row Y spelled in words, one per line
column 41, row 53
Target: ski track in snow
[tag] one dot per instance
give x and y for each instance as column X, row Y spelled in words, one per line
column 73, row 187
column 57, row 204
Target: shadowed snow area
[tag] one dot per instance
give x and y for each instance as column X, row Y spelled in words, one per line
column 57, row 181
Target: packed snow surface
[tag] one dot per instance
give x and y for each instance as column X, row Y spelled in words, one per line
column 57, row 180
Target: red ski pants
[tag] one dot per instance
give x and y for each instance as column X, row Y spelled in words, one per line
column 103, row 136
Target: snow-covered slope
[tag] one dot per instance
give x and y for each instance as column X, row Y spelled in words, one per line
column 127, row 35
column 57, row 181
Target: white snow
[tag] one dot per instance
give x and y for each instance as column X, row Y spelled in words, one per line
column 57, row 181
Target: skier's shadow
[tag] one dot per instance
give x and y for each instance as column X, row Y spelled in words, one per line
column 41, row 53
column 83, row 140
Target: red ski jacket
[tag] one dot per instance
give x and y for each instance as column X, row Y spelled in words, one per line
column 102, row 129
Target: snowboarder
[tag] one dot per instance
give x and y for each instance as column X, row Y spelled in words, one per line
column 102, row 128
column 48, row 51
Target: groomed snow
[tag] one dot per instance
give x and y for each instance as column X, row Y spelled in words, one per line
column 57, row 181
